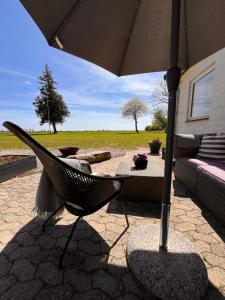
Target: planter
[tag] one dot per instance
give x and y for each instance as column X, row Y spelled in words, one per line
column 154, row 147
column 66, row 151
column 140, row 164
column 15, row 165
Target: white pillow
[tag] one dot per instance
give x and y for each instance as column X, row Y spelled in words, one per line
column 75, row 163
column 212, row 147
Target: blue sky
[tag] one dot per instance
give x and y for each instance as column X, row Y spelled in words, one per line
column 93, row 95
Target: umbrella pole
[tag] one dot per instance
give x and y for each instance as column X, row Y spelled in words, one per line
column 173, row 79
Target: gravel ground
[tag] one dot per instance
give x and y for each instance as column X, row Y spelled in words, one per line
column 114, row 152
column 106, row 167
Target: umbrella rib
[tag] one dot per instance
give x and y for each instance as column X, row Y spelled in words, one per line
column 65, row 21
column 129, row 37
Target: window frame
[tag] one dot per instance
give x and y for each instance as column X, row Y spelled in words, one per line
column 191, row 95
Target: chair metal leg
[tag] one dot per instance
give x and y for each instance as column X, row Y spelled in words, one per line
column 67, row 243
column 127, row 221
column 125, row 212
column 46, row 221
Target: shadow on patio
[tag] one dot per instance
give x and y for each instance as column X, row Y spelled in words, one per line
column 183, row 193
column 29, row 266
column 138, row 208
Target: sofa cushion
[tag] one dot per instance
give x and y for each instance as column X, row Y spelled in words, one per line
column 197, row 162
column 216, row 169
column 212, row 147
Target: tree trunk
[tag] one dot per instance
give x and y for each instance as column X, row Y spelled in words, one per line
column 54, row 127
column 136, row 125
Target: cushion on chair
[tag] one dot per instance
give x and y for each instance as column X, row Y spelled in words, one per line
column 81, row 165
column 212, row 147
column 75, row 163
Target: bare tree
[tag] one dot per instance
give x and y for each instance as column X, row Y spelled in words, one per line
column 134, row 109
column 160, row 95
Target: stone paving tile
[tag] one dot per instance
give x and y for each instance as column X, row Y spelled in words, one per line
column 95, row 267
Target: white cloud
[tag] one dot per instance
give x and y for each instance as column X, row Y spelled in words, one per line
column 93, row 95
column 25, row 120
column 95, row 79
column 142, row 86
column 98, row 88
column 27, row 82
column 16, row 73
column 100, row 72
column 78, row 120
column 73, row 97
column 15, row 102
column 93, row 120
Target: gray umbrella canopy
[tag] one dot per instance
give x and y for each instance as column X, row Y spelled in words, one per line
column 130, row 36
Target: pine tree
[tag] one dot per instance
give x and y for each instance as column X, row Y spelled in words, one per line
column 49, row 105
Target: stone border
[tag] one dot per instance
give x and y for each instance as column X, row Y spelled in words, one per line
column 17, row 167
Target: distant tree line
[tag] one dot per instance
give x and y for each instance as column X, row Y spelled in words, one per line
column 159, row 121
column 159, row 97
column 51, row 108
column 136, row 108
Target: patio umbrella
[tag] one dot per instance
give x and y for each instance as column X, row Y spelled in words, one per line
column 131, row 36
column 136, row 36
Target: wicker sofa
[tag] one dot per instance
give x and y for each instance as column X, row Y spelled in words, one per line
column 204, row 178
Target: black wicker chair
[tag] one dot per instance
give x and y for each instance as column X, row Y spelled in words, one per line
column 82, row 193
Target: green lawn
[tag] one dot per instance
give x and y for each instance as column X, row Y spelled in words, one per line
column 85, row 139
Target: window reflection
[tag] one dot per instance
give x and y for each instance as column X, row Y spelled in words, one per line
column 202, row 95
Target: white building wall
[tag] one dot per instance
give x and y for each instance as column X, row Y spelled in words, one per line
column 216, row 120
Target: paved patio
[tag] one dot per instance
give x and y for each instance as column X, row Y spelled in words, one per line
column 95, row 265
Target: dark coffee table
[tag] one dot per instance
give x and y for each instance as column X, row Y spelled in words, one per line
column 144, row 185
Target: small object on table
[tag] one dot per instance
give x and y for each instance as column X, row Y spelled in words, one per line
column 154, row 146
column 140, row 161
column 66, row 151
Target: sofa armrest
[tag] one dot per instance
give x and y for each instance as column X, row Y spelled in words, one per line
column 186, row 145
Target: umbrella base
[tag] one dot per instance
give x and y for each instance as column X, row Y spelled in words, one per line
column 178, row 273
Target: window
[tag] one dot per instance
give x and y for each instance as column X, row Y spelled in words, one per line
column 201, row 96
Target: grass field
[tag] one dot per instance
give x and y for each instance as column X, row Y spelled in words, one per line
column 85, row 139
